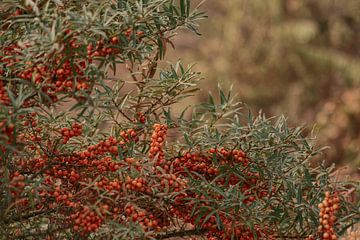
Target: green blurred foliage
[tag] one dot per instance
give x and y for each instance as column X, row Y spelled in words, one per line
column 292, row 57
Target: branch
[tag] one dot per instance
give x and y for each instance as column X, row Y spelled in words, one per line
column 196, row 231
column 26, row 217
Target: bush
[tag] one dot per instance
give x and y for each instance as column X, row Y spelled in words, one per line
column 88, row 154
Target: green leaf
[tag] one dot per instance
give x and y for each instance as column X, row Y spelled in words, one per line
column 183, row 7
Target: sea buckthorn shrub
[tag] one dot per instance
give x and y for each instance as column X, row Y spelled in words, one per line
column 90, row 147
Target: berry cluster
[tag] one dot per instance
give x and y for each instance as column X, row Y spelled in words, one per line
column 137, row 184
column 145, row 218
column 141, row 118
column 86, row 221
column 129, row 32
column 231, row 226
column 4, row 98
column 109, row 145
column 132, row 161
column 74, row 131
column 171, row 183
column 29, row 120
column 6, row 132
column 60, row 172
column 62, row 196
column 240, row 231
column 100, row 49
column 157, row 142
column 195, row 162
column 109, row 185
column 17, row 184
column 65, row 80
column 35, row 73
column 105, row 164
column 128, row 136
column 203, row 164
column 70, row 77
column 30, row 133
column 328, row 208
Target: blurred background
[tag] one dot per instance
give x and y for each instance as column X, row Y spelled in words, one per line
column 300, row 58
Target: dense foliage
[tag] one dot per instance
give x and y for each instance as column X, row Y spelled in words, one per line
column 88, row 154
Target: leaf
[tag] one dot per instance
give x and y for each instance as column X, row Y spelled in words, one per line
column 162, row 47
column 167, row 114
column 223, row 99
column 183, row 7
column 53, row 30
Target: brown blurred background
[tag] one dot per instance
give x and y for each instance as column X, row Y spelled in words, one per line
column 300, row 58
